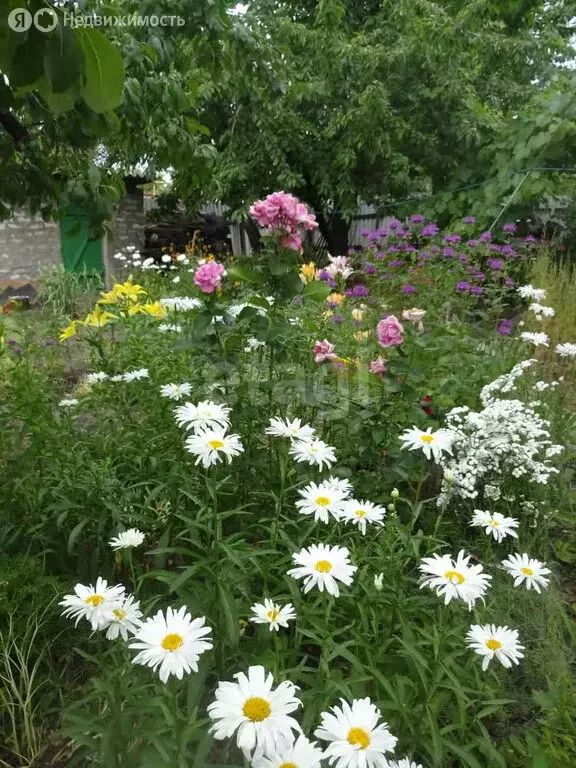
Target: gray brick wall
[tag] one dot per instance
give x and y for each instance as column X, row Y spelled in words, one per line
column 127, row 229
column 26, row 245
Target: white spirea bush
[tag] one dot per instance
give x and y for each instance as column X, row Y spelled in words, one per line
column 507, row 439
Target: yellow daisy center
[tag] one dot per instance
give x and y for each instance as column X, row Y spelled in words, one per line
column 322, row 501
column 494, row 645
column 358, row 736
column 454, row 577
column 119, row 613
column 360, row 513
column 288, row 765
column 94, row 600
column 273, row 614
column 527, row 571
column 256, row 709
column 493, row 523
column 216, row 444
column 172, row 642
column 427, row 438
column 323, row 566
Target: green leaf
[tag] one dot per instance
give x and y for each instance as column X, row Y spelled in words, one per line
column 104, row 71
column 239, row 272
column 317, row 291
column 63, row 59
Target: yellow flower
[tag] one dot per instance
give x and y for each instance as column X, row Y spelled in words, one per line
column 99, row 318
column 308, row 272
column 357, row 314
column 361, row 335
column 135, row 309
column 335, row 298
column 128, row 290
column 69, row 331
column 154, row 309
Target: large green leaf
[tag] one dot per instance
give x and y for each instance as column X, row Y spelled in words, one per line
column 239, row 272
column 63, row 58
column 318, row 291
column 104, row 71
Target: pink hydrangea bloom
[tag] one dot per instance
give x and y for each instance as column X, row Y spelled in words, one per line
column 378, row 366
column 209, row 276
column 390, row 332
column 323, row 351
column 282, row 212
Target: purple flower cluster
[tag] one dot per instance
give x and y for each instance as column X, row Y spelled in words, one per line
column 408, row 289
column 510, row 227
column 495, row 263
column 505, row 327
column 357, row 292
column 430, row 230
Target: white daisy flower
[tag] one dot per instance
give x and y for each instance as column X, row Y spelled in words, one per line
column 180, row 303
column 252, row 344
column 117, row 377
column 166, row 258
column 529, row 292
column 302, row 754
column 176, row 391
column 537, row 339
column 294, row 429
column 356, row 739
column 361, row 512
column 95, row 603
column 404, row 763
column 141, row 373
column 314, row 452
column 176, row 279
column 541, row 310
column 323, row 566
column 169, row 327
column 259, row 714
column 566, row 350
column 208, row 445
column 94, row 378
column 495, row 524
column 490, row 641
column 339, row 484
column 321, row 501
column 527, row 569
column 433, row 444
column 68, row 402
column 126, row 619
column 271, row 613
column 454, row 579
column 127, row 539
column 205, row 415
column 379, row 582
column 173, row 643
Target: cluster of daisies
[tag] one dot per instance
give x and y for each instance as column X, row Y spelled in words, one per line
column 100, row 376
column 541, row 312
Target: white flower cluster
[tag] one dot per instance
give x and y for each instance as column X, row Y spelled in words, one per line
column 180, row 303
column 508, row 437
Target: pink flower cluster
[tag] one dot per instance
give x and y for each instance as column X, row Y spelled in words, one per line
column 323, row 351
column 282, row 212
column 390, row 332
column 209, row 276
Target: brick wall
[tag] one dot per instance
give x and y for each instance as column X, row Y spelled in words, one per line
column 127, row 229
column 26, row 245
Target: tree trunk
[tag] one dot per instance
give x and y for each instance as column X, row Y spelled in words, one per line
column 334, row 229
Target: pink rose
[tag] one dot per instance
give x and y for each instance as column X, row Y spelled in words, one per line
column 323, row 350
column 390, row 331
column 283, row 211
column 293, row 241
column 378, row 366
column 209, row 276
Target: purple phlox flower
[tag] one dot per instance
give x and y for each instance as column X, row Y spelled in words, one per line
column 358, row 290
column 509, row 283
column 469, row 219
column 495, row 263
column 485, row 237
column 16, row 350
column 374, row 235
column 337, row 319
column 394, row 224
column 351, row 251
column 392, row 249
column 436, row 248
column 448, row 252
column 411, row 248
column 11, row 342
column 380, row 255
column 530, row 239
column 463, row 285
column 476, row 290
column 424, row 255
column 408, row 289
column 473, row 243
column 396, row 263
column 370, row 269
column 417, row 218
column 421, row 264
column 509, row 227
column 495, row 248
column 364, row 232
column 297, row 299
column 430, row 230
column 505, row 327
column 452, row 238
column 463, row 258
column 508, row 250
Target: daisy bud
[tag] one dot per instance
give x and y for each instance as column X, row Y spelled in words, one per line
column 378, row 579
column 395, row 493
column 449, row 476
column 391, row 507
